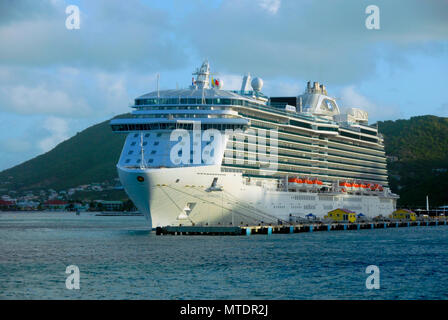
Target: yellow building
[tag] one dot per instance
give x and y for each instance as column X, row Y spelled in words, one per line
column 341, row 215
column 403, row 214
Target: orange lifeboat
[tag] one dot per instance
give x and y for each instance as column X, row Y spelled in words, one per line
column 380, row 188
column 293, row 182
column 349, row 186
column 319, row 183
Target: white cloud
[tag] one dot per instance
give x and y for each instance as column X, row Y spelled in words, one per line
column 41, row 100
column 112, row 36
column 324, row 40
column 231, row 81
column 113, row 91
column 270, row 6
column 57, row 129
column 351, row 98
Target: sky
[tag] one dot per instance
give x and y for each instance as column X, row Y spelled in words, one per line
column 55, row 82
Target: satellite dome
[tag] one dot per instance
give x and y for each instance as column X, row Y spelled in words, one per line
column 257, row 84
column 220, row 83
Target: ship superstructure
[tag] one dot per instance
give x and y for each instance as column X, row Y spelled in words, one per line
column 204, row 155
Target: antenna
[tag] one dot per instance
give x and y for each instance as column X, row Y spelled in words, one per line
column 158, row 78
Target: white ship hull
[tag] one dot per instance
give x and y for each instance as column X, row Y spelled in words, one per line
column 189, row 201
column 208, row 156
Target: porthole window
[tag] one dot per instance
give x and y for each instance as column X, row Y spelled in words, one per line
column 145, row 143
column 147, row 135
column 156, row 143
column 153, row 152
column 150, row 160
column 159, row 135
column 136, row 135
column 140, row 179
column 128, row 160
column 133, row 143
column 130, row 152
column 139, row 160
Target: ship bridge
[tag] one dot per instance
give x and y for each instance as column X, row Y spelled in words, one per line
column 204, row 101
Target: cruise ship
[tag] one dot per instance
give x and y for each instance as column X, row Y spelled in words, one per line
column 208, row 156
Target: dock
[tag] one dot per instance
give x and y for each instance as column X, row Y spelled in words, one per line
column 118, row 214
column 289, row 229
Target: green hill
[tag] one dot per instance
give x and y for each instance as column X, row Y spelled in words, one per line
column 89, row 156
column 420, row 168
column 417, row 150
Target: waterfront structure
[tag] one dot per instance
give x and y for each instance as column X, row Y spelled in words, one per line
column 341, row 215
column 208, row 156
column 110, row 205
column 55, row 205
column 7, row 204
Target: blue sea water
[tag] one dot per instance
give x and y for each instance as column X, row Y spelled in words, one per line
column 119, row 258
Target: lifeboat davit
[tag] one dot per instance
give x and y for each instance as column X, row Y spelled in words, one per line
column 308, row 183
column 363, row 187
